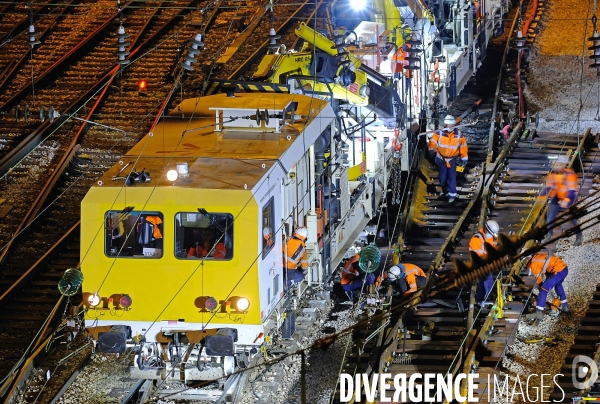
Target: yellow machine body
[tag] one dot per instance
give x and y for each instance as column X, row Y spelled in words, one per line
column 232, row 168
column 278, row 68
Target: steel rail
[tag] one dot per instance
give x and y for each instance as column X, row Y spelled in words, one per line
column 465, row 352
column 536, row 217
column 521, row 53
column 23, row 23
column 17, row 64
column 36, row 137
column 43, row 77
column 25, row 367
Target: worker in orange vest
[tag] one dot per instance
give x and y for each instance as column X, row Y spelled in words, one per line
column 562, row 187
column 208, row 248
column 451, row 150
column 487, row 234
column 296, row 257
column 555, row 271
column 352, row 279
column 406, row 278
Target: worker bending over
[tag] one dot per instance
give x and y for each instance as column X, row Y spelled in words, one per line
column 487, row 234
column 562, row 187
column 406, row 278
column 448, row 145
column 555, row 271
column 296, row 257
column 352, row 278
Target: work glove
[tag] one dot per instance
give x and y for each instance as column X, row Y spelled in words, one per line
column 535, row 291
column 463, row 162
column 564, row 203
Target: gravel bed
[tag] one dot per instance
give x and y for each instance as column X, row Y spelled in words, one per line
column 322, row 366
column 567, row 98
column 524, row 359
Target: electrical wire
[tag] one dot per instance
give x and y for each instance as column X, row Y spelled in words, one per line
column 305, row 147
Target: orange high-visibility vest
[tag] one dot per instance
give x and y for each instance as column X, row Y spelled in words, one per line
column 449, row 144
column 296, row 254
column 560, row 184
column 410, row 275
column 539, row 266
column 349, row 273
column 199, row 251
column 477, row 243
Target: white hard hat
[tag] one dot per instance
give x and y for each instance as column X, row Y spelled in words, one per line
column 266, row 231
column 301, row 233
column 396, row 272
column 562, row 159
column 449, row 120
column 492, row 227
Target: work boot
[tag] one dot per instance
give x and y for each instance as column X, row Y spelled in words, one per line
column 442, row 194
column 451, row 199
column 537, row 315
column 578, row 240
column 564, row 307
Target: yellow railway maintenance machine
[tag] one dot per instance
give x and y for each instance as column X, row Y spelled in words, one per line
column 182, row 240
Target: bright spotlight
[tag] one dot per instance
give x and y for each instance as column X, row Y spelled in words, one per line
column 358, row 5
column 172, row 175
column 242, row 304
column 94, row 300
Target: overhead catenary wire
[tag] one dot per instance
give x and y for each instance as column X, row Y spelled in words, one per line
column 411, row 301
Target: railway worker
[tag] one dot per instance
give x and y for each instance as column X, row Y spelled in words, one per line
column 268, row 237
column 487, row 234
column 555, row 271
column 562, row 187
column 406, row 278
column 296, row 257
column 449, row 145
column 352, row 279
column 208, row 248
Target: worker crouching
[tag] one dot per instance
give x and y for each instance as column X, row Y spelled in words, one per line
column 406, row 279
column 555, row 271
column 353, row 280
column 448, row 146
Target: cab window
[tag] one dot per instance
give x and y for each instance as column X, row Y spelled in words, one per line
column 268, row 230
column 204, row 235
column 131, row 233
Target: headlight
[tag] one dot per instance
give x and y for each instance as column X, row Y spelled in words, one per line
column 242, row 304
column 94, row 300
column 125, row 301
column 211, row 304
column 172, row 175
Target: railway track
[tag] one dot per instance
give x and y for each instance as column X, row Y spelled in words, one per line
column 585, row 344
column 75, row 155
column 98, row 150
column 35, row 260
column 443, row 335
